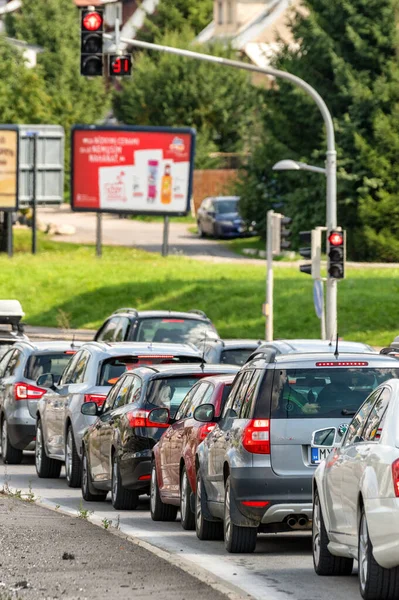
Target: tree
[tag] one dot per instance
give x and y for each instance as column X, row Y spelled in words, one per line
column 347, row 50
column 176, row 15
column 171, row 91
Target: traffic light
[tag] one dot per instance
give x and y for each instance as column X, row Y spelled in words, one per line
column 284, row 232
column 91, row 48
column 336, row 254
column 120, row 65
column 312, row 250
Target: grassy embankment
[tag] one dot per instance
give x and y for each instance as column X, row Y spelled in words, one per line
column 67, row 281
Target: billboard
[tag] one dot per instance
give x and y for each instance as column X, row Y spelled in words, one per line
column 8, row 168
column 137, row 170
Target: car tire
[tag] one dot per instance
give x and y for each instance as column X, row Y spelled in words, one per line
column 159, row 510
column 325, row 563
column 236, row 539
column 216, row 231
column 10, row 455
column 46, row 468
column 375, row 582
column 187, row 515
column 205, row 530
column 89, row 492
column 73, row 465
column 201, row 233
column 121, row 498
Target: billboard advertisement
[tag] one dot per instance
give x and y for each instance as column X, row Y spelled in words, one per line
column 9, row 169
column 137, row 170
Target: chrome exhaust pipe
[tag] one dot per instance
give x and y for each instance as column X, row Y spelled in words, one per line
column 292, row 522
column 302, row 521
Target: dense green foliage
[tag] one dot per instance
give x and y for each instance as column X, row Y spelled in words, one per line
column 176, row 15
column 348, row 51
column 170, row 90
column 67, row 282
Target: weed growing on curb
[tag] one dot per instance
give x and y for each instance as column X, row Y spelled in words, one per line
column 83, row 512
column 106, row 523
column 118, row 522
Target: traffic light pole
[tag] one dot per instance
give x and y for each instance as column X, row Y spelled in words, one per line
column 331, row 156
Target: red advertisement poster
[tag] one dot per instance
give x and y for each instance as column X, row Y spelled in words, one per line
column 132, row 170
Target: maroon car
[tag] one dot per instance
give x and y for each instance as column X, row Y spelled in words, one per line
column 173, row 478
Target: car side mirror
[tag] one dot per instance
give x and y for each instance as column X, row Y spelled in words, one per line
column 328, row 437
column 46, row 380
column 205, row 413
column 90, row 409
column 159, row 417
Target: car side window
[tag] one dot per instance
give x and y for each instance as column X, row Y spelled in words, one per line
column 122, row 329
column 355, row 429
column 229, row 404
column 78, row 374
column 122, row 396
column 203, row 394
column 112, row 394
column 239, row 399
column 13, row 364
column 66, row 377
column 373, row 427
column 250, row 395
column 136, row 385
column 4, row 363
column 109, row 331
column 186, row 402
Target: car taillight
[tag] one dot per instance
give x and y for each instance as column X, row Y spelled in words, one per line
column 139, row 418
column 99, row 399
column 395, row 477
column 256, row 436
column 25, row 391
column 205, row 429
column 255, row 503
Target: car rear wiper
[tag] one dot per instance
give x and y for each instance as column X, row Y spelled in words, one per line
column 348, row 413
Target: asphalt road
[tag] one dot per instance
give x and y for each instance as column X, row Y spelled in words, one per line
column 280, row 569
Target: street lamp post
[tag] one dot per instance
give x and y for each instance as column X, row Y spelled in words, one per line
column 331, row 155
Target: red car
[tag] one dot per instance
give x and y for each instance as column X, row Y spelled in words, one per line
column 173, row 477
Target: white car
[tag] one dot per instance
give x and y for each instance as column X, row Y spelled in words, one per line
column 356, row 497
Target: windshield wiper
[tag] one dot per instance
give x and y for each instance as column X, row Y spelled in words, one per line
column 348, row 413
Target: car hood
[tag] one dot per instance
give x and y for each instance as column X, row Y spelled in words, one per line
column 229, row 217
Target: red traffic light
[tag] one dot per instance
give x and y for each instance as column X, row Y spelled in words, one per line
column 119, row 66
column 336, row 238
column 92, row 21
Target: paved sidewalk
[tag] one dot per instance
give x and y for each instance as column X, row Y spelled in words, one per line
column 46, row 556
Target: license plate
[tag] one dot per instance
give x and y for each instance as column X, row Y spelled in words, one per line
column 318, row 454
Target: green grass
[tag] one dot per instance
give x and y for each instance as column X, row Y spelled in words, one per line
column 68, row 280
column 157, row 219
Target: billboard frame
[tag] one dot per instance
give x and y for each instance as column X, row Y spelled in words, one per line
column 138, row 129
column 15, row 208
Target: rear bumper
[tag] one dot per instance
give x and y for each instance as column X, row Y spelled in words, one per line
column 285, row 495
column 383, row 525
column 21, row 435
column 134, row 466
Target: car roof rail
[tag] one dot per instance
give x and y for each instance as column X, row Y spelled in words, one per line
column 134, row 311
column 267, row 354
column 201, row 313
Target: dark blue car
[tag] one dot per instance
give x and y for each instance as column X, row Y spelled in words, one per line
column 219, row 217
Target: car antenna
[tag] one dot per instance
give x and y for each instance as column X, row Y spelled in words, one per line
column 203, row 352
column 336, row 353
column 73, row 341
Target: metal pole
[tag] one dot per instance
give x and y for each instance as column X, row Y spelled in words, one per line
column 165, row 243
column 9, row 235
column 323, row 316
column 99, row 235
column 269, row 277
column 34, row 198
column 331, row 174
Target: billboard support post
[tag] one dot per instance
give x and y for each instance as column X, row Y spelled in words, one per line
column 99, row 235
column 165, row 243
column 9, row 234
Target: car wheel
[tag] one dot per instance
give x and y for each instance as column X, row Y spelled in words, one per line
column 122, row 499
column 216, row 231
column 159, row 510
column 73, row 466
column 10, row 455
column 324, row 562
column 375, row 582
column 236, row 539
column 205, row 530
column 187, row 515
column 201, row 233
column 89, row 493
column 46, row 468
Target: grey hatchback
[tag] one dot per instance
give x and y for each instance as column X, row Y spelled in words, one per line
column 255, row 468
column 24, row 371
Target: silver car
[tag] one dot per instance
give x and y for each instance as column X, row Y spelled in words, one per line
column 92, row 372
column 26, row 371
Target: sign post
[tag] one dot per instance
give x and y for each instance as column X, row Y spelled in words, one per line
column 9, row 161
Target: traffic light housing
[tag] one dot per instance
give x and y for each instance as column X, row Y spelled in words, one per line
column 306, row 251
column 336, row 254
column 311, row 251
column 285, row 233
column 120, row 65
column 91, row 48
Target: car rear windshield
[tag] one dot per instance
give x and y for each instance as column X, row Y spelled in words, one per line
column 4, row 347
column 237, row 356
column 113, row 368
column 169, row 392
column 54, row 363
column 224, row 207
column 324, row 392
column 180, row 331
